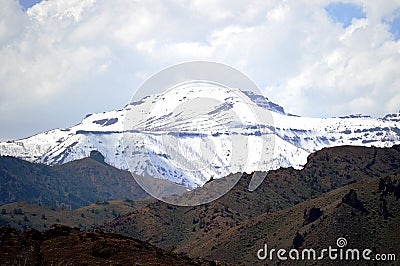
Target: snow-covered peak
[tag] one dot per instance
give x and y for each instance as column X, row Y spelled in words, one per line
column 263, row 102
column 105, row 121
column 218, row 116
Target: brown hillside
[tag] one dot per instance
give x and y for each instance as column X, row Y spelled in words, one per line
column 62, row 245
column 362, row 228
column 212, row 229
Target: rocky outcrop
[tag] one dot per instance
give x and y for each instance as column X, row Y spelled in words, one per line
column 298, row 240
column 387, row 187
column 352, row 200
column 311, row 215
column 97, row 156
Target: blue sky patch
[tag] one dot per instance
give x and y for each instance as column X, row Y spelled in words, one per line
column 28, row 3
column 344, row 12
column 395, row 28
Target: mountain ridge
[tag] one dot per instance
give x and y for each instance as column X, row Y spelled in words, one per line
column 72, row 185
column 294, row 138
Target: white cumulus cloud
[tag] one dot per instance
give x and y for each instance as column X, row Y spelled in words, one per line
column 62, row 59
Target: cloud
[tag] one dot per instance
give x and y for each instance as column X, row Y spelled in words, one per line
column 11, row 14
column 62, row 59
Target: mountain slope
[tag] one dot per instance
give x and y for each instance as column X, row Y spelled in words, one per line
column 23, row 215
column 287, row 139
column 62, row 245
column 71, row 185
column 218, row 229
column 362, row 228
column 340, row 192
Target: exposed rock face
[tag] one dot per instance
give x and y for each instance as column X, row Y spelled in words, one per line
column 352, row 200
column 397, row 191
column 382, row 209
column 97, row 156
column 298, row 240
column 311, row 215
column 387, row 187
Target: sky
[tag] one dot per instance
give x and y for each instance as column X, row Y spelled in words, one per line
column 63, row 59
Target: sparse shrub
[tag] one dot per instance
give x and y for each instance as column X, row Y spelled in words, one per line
column 18, row 211
column 202, row 224
column 267, row 206
column 171, row 249
column 98, row 202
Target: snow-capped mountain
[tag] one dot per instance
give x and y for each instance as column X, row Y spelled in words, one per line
column 205, row 142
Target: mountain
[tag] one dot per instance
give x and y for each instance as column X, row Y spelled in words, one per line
column 349, row 192
column 345, row 191
column 71, row 185
column 223, row 129
column 23, row 215
column 62, row 245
